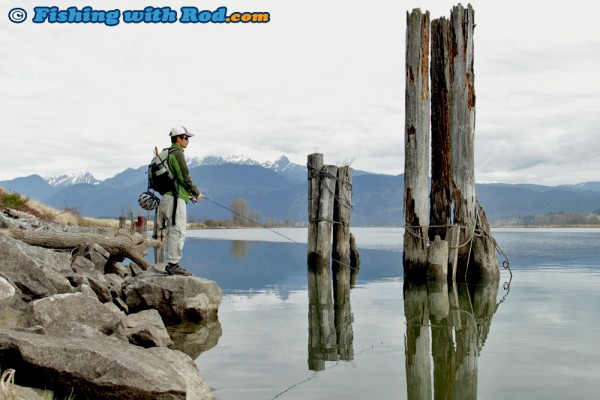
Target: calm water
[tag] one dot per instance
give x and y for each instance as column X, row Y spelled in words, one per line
column 540, row 339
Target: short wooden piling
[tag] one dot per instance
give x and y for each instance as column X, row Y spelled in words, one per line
column 341, row 235
column 325, row 213
column 314, row 165
column 416, row 144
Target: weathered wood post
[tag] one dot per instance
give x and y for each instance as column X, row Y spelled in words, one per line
column 462, row 135
column 462, row 124
column 314, row 165
column 341, row 235
column 321, row 193
column 416, row 144
column 441, row 181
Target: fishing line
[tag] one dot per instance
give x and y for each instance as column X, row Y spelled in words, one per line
column 267, row 228
column 251, row 220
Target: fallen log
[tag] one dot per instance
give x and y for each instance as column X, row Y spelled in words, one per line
column 123, row 245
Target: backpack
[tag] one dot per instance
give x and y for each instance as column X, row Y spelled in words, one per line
column 159, row 175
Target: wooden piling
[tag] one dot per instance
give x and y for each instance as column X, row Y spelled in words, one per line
column 416, row 143
column 325, row 213
column 462, row 123
column 314, row 165
column 453, row 200
column 341, row 235
column 482, row 254
column 441, row 181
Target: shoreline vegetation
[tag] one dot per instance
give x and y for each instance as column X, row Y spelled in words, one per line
column 71, row 216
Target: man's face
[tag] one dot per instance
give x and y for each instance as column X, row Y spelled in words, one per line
column 183, row 141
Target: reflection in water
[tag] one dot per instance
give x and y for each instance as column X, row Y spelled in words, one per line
column 194, row 339
column 453, row 321
column 330, row 324
column 239, row 248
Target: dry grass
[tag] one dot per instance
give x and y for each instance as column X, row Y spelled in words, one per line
column 67, row 216
column 7, row 385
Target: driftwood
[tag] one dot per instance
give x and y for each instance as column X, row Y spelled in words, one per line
column 123, row 245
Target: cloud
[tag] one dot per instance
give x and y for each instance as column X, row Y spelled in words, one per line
column 327, row 77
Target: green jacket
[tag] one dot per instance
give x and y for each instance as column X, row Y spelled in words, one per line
column 181, row 174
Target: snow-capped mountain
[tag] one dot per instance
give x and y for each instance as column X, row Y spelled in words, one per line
column 282, row 165
column 63, row 180
column 218, row 160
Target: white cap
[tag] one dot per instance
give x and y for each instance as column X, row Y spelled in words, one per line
column 178, row 130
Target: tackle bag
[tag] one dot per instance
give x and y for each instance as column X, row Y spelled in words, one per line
column 159, row 175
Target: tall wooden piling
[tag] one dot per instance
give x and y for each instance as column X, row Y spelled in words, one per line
column 462, row 123
column 479, row 259
column 452, row 201
column 416, row 143
column 441, row 181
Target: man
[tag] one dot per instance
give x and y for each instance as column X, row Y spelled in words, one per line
column 185, row 189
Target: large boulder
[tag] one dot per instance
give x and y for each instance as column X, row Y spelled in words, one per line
column 177, row 298
column 55, row 312
column 101, row 368
column 35, row 271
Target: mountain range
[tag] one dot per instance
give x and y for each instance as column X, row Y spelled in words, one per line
column 277, row 191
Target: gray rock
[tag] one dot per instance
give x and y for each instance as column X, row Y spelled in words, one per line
column 117, row 268
column 83, row 265
column 54, row 311
column 87, row 290
column 102, row 367
column 184, row 298
column 7, row 293
column 100, row 287
column 33, row 270
column 97, row 255
column 147, row 329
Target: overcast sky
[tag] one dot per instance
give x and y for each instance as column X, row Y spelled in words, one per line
column 325, row 76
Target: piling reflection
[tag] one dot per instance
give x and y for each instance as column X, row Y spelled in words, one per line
column 330, row 323
column 239, row 248
column 450, row 322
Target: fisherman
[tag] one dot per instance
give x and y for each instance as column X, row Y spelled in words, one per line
column 173, row 203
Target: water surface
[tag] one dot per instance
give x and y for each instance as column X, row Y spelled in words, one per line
column 536, row 340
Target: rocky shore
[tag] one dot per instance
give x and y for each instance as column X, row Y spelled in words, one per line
column 82, row 321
